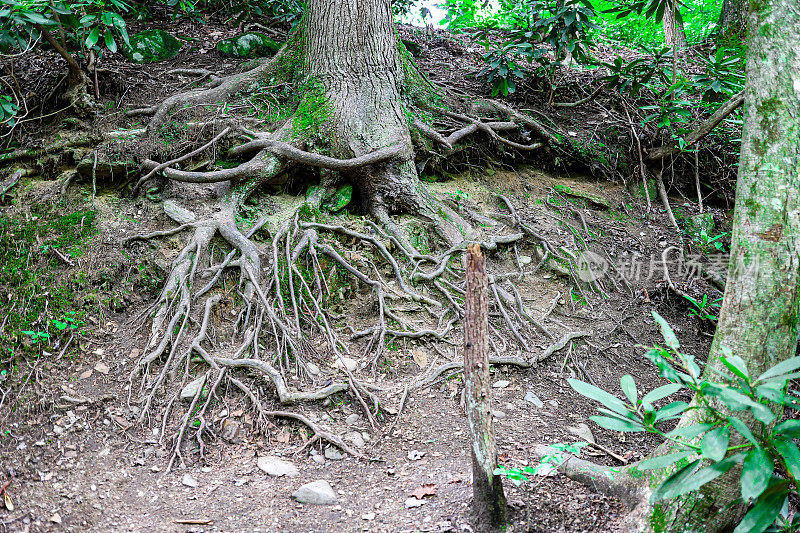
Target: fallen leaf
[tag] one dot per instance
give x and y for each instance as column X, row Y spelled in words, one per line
column 420, row 357
column 283, row 436
column 102, row 368
column 428, row 489
column 8, row 502
column 85, row 374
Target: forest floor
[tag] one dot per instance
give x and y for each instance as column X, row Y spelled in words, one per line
column 79, row 463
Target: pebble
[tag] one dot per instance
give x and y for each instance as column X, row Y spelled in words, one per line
column 355, row 439
column 413, row 502
column 498, row 414
column 316, row 493
column 189, row 481
column 582, row 431
column 312, row 369
column 276, row 467
column 368, row 516
column 530, row 397
column 502, row 384
column 333, row 453
column 346, row 362
column 353, row 419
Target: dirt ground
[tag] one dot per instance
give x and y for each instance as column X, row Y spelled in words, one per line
column 78, row 462
column 85, row 467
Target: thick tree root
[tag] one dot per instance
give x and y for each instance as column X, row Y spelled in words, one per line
column 278, row 307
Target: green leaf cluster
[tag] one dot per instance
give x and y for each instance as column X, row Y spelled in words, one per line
column 767, row 452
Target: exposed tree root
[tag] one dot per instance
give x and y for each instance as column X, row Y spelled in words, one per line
column 263, row 311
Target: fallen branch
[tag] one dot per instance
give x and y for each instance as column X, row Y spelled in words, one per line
column 562, row 342
column 582, row 100
column 701, row 131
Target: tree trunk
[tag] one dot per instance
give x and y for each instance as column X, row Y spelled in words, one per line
column 674, row 36
column 351, row 52
column 732, row 20
column 759, row 316
column 489, row 501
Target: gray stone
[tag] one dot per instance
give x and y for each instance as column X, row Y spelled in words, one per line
column 189, row 481
column 276, row 467
column 501, row 384
column 353, row 419
column 316, row 493
column 333, row 453
column 312, row 369
column 179, row 214
column 346, row 362
column 582, row 431
column 230, row 430
column 191, row 389
column 530, row 397
column 355, row 439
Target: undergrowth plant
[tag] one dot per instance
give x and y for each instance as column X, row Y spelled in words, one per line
column 717, row 439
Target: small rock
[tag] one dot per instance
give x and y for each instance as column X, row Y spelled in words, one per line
column 155, row 469
column 352, row 420
column 318, row 459
column 498, row 414
column 530, row 397
column 312, row 369
column 525, row 260
column 189, row 481
column 316, row 493
column 346, row 362
column 102, row 368
column 275, row 467
column 413, row 502
column 230, row 430
column 333, row 453
column 415, row 455
column 368, row 516
column 355, row 439
column 502, row 384
column 178, row 213
column 582, row 431
column 56, row 518
column 191, row 389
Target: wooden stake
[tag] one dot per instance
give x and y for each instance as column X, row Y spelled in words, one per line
column 489, row 502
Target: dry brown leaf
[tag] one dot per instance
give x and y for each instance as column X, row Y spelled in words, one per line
column 428, row 489
column 8, row 502
column 283, row 436
column 420, row 357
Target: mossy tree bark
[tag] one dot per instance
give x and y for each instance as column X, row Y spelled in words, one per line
column 732, row 20
column 352, row 56
column 759, row 316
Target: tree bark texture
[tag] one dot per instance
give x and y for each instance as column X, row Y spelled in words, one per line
column 733, row 19
column 488, row 498
column 759, row 316
column 673, row 30
column 351, row 51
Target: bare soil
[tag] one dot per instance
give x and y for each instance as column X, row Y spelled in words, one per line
column 85, row 466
